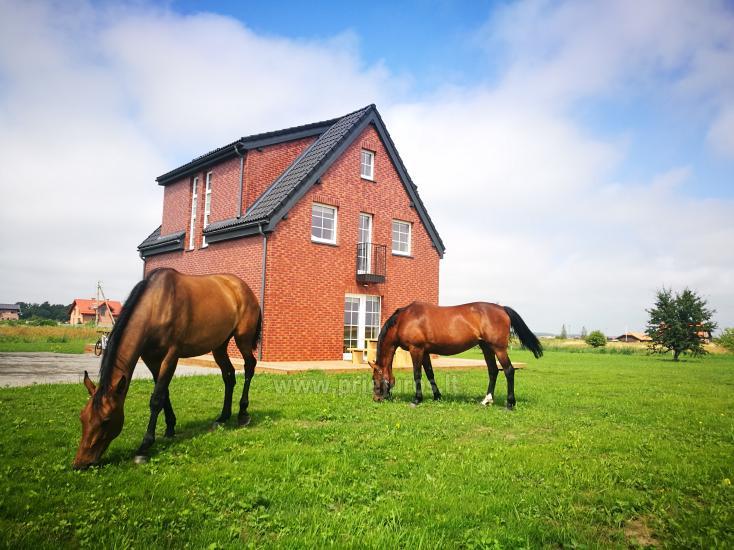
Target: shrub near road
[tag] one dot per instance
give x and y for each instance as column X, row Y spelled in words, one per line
column 603, row 450
column 58, row 339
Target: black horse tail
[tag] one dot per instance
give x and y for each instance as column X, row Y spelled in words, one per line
column 258, row 330
column 526, row 336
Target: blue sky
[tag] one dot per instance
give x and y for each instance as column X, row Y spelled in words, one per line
column 575, row 155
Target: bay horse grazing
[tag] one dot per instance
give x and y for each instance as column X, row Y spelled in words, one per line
column 169, row 315
column 423, row 329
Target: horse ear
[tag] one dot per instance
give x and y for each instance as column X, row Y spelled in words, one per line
column 121, row 385
column 91, row 388
column 372, row 365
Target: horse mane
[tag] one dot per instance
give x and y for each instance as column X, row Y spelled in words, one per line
column 113, row 342
column 389, row 323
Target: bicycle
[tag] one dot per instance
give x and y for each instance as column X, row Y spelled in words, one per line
column 101, row 344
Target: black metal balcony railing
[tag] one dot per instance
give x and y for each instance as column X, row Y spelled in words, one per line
column 371, row 263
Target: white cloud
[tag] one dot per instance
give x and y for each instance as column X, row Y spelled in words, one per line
column 96, row 102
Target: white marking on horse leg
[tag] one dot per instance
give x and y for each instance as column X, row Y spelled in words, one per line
column 488, row 400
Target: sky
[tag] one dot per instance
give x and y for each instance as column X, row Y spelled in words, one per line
column 575, row 156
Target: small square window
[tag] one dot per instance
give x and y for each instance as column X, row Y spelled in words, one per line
column 401, row 238
column 367, row 166
column 323, row 224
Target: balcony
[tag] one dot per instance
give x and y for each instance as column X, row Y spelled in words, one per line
column 371, row 263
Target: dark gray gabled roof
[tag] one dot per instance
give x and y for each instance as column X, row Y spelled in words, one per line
column 10, row 307
column 244, row 143
column 281, row 196
column 156, row 243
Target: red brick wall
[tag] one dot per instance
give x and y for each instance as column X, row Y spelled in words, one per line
column 176, row 207
column 263, row 167
column 306, row 282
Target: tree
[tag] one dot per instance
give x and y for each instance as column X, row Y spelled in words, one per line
column 584, row 334
column 727, row 339
column 596, row 339
column 679, row 323
column 57, row 312
column 563, row 334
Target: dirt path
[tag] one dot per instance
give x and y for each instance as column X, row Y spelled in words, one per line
column 25, row 369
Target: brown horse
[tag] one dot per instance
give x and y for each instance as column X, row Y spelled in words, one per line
column 169, row 315
column 423, row 329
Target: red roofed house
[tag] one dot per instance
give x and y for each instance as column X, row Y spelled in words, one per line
column 323, row 223
column 85, row 311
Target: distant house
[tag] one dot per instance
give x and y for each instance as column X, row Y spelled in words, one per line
column 634, row 337
column 9, row 312
column 84, row 311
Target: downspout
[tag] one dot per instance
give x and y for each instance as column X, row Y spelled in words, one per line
column 262, row 289
column 242, row 180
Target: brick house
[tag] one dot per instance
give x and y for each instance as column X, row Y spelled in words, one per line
column 9, row 312
column 84, row 311
column 323, row 223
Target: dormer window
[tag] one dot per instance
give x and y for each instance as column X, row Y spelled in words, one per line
column 367, row 166
column 194, row 197
column 207, row 205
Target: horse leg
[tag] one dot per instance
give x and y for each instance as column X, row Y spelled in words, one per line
column 225, row 365
column 245, row 347
column 157, row 400
column 417, row 356
column 504, row 360
column 429, row 374
column 154, row 366
column 492, row 370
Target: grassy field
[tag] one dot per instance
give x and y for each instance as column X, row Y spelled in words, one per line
column 603, row 450
column 57, row 339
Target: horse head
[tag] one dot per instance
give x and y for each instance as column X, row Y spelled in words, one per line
column 382, row 382
column 102, row 418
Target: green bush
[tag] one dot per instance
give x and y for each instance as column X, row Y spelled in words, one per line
column 596, row 339
column 727, row 339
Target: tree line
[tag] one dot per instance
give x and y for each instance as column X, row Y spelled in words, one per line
column 54, row 312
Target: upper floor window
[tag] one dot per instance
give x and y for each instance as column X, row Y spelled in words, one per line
column 323, row 223
column 194, row 198
column 367, row 166
column 401, row 237
column 207, row 204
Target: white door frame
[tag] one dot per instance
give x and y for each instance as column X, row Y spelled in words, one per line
column 361, row 318
column 367, row 249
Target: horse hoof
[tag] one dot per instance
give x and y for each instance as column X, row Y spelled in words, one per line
column 170, row 434
column 437, row 397
column 244, row 421
column 510, row 408
column 140, row 459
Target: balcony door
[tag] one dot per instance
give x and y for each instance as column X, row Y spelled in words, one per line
column 364, row 238
column 361, row 321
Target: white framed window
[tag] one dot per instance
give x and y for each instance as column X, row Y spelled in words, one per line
column 207, row 205
column 194, row 198
column 367, row 165
column 323, row 223
column 401, row 237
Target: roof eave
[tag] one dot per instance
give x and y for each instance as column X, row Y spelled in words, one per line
column 244, row 144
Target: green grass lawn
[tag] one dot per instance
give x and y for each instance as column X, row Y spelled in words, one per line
column 603, row 450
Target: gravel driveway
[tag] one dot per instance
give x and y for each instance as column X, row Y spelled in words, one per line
column 25, row 369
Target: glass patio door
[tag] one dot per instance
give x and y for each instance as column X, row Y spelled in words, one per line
column 361, row 321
